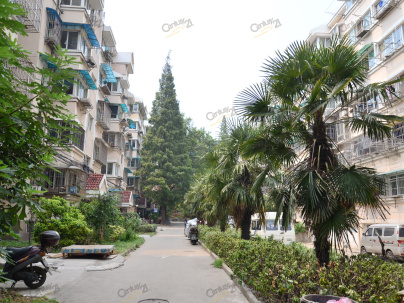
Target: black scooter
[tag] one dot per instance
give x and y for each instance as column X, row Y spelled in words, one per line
column 20, row 266
column 193, row 234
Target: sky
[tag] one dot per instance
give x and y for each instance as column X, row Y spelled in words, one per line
column 217, row 49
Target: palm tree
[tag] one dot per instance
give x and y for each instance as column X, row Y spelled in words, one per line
column 290, row 105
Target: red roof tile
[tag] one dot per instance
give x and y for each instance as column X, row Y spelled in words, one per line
column 126, row 196
column 94, row 181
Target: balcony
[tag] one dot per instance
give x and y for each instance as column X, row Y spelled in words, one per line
column 65, row 182
column 32, row 18
column 362, row 28
column 22, row 77
column 382, row 8
column 103, row 115
column 114, row 140
column 53, row 35
column 128, row 151
column 100, row 152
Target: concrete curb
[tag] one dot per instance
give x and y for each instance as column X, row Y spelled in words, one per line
column 243, row 287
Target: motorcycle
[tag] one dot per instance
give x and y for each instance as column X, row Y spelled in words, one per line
column 19, row 265
column 193, row 234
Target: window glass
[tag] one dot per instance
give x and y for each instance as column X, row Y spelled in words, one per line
column 73, row 39
column 401, row 232
column 378, row 231
column 369, row 232
column 270, row 225
column 110, row 168
column 398, row 37
column 114, row 111
column 388, row 232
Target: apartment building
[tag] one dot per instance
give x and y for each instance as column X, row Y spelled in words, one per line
column 106, row 154
column 376, row 29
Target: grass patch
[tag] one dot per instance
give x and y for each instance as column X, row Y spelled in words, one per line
column 218, row 263
column 8, row 296
column 122, row 246
column 151, row 234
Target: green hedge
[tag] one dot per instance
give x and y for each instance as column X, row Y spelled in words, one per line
column 146, row 228
column 284, row 273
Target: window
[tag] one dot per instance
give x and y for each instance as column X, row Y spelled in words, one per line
column 131, row 181
column 396, row 184
column 134, row 163
column 369, row 232
column 392, row 43
column 90, row 122
column 114, row 111
column 57, row 179
column 256, row 225
column 113, row 86
column 134, row 108
column 70, row 39
column 331, row 132
column 388, row 232
column 349, row 4
column 74, row 136
column 84, row 47
column 352, row 36
column 378, row 231
column 113, row 169
column 75, row 2
column 401, row 232
column 398, row 132
column 270, row 225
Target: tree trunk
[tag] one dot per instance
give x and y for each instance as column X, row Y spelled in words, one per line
column 245, row 224
column 322, row 248
column 222, row 224
column 163, row 210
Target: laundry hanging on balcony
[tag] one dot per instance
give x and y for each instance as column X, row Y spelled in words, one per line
column 90, row 82
column 131, row 124
column 87, row 28
column 109, row 73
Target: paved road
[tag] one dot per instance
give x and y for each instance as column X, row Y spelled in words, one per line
column 166, row 267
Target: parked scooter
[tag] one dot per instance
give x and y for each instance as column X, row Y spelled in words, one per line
column 20, row 267
column 191, row 230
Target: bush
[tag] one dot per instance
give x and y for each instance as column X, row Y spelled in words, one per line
column 147, row 228
column 131, row 221
column 115, row 232
column 57, row 214
column 284, row 273
column 300, row 228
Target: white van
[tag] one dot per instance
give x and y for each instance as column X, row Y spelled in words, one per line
column 270, row 229
column 392, row 236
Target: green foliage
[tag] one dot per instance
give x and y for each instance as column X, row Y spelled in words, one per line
column 57, row 214
column 300, row 228
column 218, row 263
column 131, row 221
column 284, row 273
column 147, row 228
column 116, row 232
column 166, row 166
column 101, row 214
column 28, row 111
column 122, row 246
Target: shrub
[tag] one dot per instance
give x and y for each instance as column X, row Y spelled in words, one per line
column 115, row 232
column 300, row 228
column 285, row 273
column 147, row 228
column 131, row 221
column 218, row 263
column 57, row 214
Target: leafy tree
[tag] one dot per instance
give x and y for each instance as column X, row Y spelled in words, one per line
column 57, row 214
column 103, row 215
column 29, row 111
column 166, row 166
column 290, row 104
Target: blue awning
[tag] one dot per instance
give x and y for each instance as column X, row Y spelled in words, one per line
column 130, row 145
column 125, row 108
column 128, row 170
column 114, row 189
column 50, row 64
column 87, row 28
column 53, row 14
column 106, row 100
column 109, row 73
column 85, row 74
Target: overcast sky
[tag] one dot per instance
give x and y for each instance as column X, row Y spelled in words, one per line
column 216, row 53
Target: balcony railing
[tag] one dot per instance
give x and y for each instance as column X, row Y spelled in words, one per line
column 103, row 114
column 53, row 34
column 115, row 140
column 128, row 151
column 21, row 77
column 100, row 152
column 32, row 18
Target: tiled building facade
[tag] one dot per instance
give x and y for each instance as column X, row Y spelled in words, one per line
column 376, row 29
column 106, row 154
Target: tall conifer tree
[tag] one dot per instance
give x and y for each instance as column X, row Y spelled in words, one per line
column 166, row 166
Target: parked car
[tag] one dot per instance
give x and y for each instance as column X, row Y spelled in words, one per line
column 270, row 229
column 392, row 236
